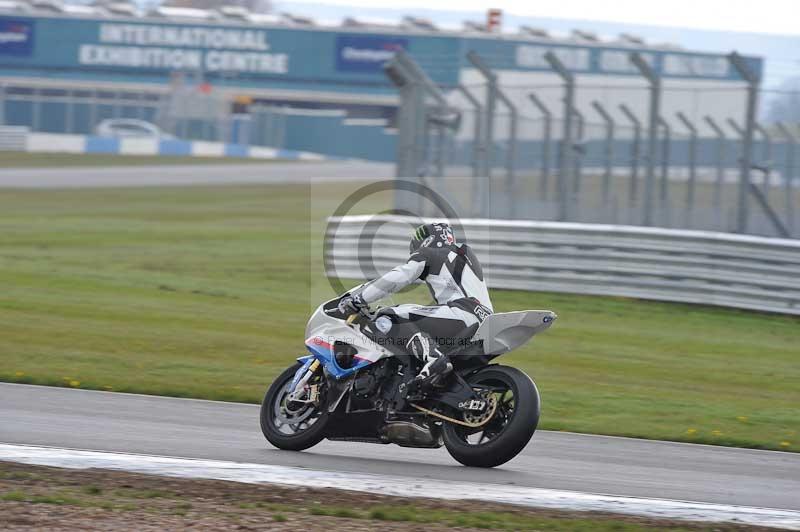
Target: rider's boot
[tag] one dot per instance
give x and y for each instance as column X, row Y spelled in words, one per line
column 433, row 370
column 436, row 367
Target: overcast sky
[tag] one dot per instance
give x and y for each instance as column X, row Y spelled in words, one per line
column 780, row 17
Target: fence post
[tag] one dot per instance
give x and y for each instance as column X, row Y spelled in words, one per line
column 547, row 135
column 477, row 148
column 652, row 144
column 410, row 116
column 760, row 195
column 766, row 154
column 476, row 140
column 577, row 160
column 663, row 195
column 511, row 151
column 788, row 176
column 690, row 189
column 721, row 152
column 609, row 151
column 633, row 186
column 565, row 153
column 744, row 71
column 489, row 111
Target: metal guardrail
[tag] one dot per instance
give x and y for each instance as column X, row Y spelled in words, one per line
column 661, row 264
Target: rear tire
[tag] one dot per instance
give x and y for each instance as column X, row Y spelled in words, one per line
column 274, row 429
column 509, row 430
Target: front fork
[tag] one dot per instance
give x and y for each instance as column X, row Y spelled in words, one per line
column 298, row 387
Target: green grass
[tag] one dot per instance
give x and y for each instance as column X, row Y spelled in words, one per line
column 60, row 160
column 204, row 292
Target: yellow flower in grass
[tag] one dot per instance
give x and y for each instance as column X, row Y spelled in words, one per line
column 716, row 433
column 785, row 443
column 691, row 432
column 742, row 418
column 19, row 374
column 74, row 383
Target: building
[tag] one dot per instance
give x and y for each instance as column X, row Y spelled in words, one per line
column 63, row 68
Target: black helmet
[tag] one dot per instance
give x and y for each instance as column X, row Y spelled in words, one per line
column 431, row 235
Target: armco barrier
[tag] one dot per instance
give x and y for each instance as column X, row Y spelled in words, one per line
column 672, row 265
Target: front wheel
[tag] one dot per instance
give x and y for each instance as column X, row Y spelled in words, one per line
column 292, row 425
column 510, row 428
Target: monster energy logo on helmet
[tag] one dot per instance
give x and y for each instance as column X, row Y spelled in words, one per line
column 426, row 235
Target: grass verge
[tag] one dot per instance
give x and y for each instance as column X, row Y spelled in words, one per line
column 204, row 292
column 44, row 497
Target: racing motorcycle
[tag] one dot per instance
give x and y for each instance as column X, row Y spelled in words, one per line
column 355, row 388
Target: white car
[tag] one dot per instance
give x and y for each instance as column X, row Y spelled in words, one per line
column 130, row 127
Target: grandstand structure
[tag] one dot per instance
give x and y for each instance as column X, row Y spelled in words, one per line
column 64, row 67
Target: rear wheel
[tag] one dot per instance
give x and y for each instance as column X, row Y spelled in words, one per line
column 292, row 425
column 511, row 427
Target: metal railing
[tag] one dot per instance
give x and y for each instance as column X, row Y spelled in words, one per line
column 739, row 271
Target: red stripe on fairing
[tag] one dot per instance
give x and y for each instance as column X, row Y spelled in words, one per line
column 318, row 342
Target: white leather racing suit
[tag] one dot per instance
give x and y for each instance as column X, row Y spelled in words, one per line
column 455, row 279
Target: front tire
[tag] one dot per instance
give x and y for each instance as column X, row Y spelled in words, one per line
column 508, row 431
column 287, row 425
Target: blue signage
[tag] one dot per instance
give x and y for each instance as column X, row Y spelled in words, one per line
column 16, row 37
column 366, row 54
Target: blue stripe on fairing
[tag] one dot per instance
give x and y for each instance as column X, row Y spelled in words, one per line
column 174, row 147
column 102, row 144
column 326, row 358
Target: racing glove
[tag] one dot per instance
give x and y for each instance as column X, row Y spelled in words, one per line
column 351, row 304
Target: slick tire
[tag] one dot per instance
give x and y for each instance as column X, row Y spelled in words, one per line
column 515, row 434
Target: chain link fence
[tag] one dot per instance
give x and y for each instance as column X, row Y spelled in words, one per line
column 677, row 155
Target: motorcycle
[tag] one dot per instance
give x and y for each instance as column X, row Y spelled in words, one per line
column 353, row 387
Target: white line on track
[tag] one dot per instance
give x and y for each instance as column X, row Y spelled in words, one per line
column 399, row 486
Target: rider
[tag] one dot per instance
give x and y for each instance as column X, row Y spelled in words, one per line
column 455, row 279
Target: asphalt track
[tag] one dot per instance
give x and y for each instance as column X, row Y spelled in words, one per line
column 227, row 431
column 194, row 174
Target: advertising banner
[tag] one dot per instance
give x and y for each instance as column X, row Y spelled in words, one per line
column 16, row 37
column 367, row 54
